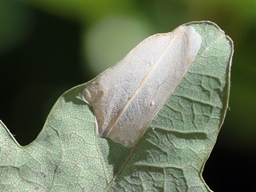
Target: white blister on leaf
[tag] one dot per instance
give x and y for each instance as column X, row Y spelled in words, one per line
column 126, row 97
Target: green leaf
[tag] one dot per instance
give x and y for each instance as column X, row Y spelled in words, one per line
column 68, row 155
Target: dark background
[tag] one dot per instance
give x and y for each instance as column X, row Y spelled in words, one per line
column 45, row 50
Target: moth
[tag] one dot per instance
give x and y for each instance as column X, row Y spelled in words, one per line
column 126, row 97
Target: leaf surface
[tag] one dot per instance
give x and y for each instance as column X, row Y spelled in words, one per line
column 69, row 156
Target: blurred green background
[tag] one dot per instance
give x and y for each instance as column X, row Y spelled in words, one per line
column 49, row 46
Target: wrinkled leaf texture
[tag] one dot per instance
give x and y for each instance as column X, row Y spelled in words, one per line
column 67, row 155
